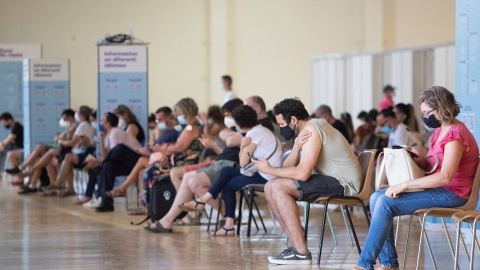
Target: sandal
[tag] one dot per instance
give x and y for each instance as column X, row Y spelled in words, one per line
column 83, row 200
column 115, row 193
column 192, row 209
column 51, row 187
column 159, row 228
column 226, row 232
column 192, row 221
column 48, row 193
column 67, row 194
column 26, row 190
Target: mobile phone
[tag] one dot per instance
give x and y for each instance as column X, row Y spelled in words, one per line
column 101, row 128
column 252, row 156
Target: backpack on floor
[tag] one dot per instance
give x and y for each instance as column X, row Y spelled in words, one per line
column 162, row 195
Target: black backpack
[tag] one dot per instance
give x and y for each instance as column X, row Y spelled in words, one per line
column 162, row 195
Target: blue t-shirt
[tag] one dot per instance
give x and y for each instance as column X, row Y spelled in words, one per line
column 168, row 136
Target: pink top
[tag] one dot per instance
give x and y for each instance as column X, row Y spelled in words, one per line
column 462, row 181
column 385, row 103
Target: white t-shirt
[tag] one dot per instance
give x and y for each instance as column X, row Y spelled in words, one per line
column 85, row 131
column 266, row 142
column 229, row 95
column 120, row 136
column 401, row 136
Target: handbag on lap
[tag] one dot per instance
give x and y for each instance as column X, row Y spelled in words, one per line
column 395, row 166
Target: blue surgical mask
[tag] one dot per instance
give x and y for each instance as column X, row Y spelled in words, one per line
column 181, row 119
column 239, row 130
column 178, row 128
column 222, row 87
column 162, row 126
column 387, row 129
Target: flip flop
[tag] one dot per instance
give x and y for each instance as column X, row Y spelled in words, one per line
column 81, row 202
column 192, row 209
column 159, row 228
column 115, row 193
column 26, row 190
column 226, row 232
column 192, row 221
column 67, row 194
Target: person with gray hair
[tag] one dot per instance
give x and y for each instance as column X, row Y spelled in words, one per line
column 325, row 112
column 258, row 105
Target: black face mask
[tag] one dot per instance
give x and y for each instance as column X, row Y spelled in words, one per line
column 7, row 126
column 287, row 132
column 432, row 122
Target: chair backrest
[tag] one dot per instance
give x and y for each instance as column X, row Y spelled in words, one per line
column 366, row 158
column 473, row 200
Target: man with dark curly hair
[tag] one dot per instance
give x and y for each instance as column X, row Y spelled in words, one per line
column 323, row 149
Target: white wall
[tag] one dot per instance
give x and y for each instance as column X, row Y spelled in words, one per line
column 265, row 45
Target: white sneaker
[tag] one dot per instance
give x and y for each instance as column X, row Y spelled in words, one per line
column 93, row 203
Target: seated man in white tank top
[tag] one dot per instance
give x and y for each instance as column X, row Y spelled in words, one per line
column 322, row 148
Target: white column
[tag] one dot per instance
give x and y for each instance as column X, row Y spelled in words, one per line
column 217, row 49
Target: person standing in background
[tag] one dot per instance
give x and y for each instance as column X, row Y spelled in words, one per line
column 226, row 86
column 387, row 101
column 11, row 146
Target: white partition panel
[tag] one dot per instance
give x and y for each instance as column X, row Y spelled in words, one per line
column 399, row 74
column 444, row 66
column 359, row 86
column 327, row 81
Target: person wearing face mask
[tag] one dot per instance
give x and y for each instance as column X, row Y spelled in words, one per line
column 185, row 151
column 226, row 86
column 11, row 146
column 323, row 149
column 198, row 180
column 46, row 156
column 128, row 122
column 82, row 143
column 166, row 124
column 258, row 141
column 399, row 133
column 449, row 186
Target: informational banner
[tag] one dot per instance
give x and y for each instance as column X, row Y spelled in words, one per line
column 123, row 79
column 46, row 94
column 11, row 78
column 467, row 66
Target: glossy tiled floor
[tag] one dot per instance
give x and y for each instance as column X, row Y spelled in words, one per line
column 53, row 233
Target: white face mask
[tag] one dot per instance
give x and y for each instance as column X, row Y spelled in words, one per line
column 77, row 117
column 64, row 124
column 121, row 123
column 94, row 125
column 229, row 122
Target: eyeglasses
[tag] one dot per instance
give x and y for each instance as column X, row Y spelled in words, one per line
column 425, row 115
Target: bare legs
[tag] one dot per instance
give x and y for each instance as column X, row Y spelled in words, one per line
column 281, row 195
column 135, row 174
column 66, row 171
column 33, row 157
column 14, row 157
column 176, row 175
column 192, row 183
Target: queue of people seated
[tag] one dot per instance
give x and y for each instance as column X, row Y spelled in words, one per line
column 241, row 140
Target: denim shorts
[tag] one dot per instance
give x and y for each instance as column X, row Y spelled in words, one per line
column 318, row 186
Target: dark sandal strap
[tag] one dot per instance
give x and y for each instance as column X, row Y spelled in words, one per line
column 198, row 203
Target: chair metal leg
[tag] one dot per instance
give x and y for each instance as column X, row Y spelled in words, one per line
column 240, row 211
column 259, row 215
column 346, row 226
column 406, row 242
column 474, row 236
column 457, row 245
column 353, row 230
column 219, row 211
column 250, row 209
column 422, row 235
column 331, row 229
column 307, row 217
column 396, row 230
column 322, row 232
column 210, row 219
column 448, row 237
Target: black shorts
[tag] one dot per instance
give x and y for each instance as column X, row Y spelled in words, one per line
column 318, row 186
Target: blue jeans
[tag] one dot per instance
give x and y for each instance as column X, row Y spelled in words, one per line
column 230, row 181
column 380, row 240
